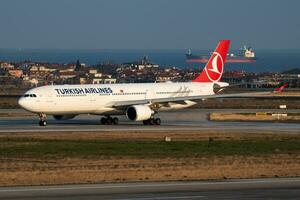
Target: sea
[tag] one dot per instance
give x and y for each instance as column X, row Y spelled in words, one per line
column 267, row 60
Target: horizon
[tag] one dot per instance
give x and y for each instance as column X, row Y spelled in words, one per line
column 267, row 60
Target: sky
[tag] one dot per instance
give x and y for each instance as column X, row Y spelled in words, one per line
column 149, row 24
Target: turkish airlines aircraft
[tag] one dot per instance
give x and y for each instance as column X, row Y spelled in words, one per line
column 138, row 101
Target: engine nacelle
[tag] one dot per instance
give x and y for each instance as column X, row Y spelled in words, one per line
column 63, row 117
column 139, row 113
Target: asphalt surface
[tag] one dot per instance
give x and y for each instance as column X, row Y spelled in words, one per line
column 280, row 188
column 188, row 119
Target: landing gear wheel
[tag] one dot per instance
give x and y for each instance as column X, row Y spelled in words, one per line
column 115, row 120
column 103, row 120
column 157, row 121
column 151, row 121
column 109, row 121
column 42, row 123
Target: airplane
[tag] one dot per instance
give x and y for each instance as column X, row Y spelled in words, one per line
column 138, row 101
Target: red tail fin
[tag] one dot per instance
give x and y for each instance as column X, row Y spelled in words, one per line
column 214, row 68
column 279, row 89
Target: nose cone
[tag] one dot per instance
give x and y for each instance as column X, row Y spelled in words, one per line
column 21, row 102
column 24, row 103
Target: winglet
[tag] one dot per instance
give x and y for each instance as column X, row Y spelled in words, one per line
column 279, row 89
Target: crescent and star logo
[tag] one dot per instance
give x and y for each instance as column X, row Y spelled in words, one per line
column 214, row 69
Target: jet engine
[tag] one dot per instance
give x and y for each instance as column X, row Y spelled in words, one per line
column 139, row 113
column 63, row 117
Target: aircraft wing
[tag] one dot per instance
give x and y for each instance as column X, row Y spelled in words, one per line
column 200, row 97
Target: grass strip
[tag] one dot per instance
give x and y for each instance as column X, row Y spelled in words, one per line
column 33, row 148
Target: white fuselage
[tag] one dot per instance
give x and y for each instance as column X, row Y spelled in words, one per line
column 98, row 98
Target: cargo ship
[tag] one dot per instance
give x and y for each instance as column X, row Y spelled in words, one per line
column 247, row 55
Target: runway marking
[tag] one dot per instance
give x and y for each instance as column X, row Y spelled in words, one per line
column 182, row 127
column 162, row 198
column 106, row 130
column 150, row 185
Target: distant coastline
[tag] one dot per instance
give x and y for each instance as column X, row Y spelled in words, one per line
column 268, row 60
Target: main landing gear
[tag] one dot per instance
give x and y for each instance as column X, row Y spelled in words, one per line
column 152, row 121
column 108, row 120
column 42, row 121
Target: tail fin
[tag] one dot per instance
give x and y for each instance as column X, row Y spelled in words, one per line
column 279, row 89
column 213, row 70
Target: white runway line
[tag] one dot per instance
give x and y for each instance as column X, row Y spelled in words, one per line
column 145, row 185
column 164, row 198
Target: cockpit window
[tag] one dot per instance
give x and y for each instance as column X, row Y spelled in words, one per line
column 29, row 95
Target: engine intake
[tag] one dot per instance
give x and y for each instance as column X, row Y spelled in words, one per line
column 139, row 113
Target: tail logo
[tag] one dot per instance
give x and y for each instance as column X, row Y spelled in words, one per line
column 214, row 69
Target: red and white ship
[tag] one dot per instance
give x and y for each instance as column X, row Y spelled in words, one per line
column 247, row 56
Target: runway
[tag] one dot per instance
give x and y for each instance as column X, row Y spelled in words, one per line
column 189, row 119
column 280, row 188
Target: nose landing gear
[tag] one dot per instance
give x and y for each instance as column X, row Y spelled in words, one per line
column 42, row 121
